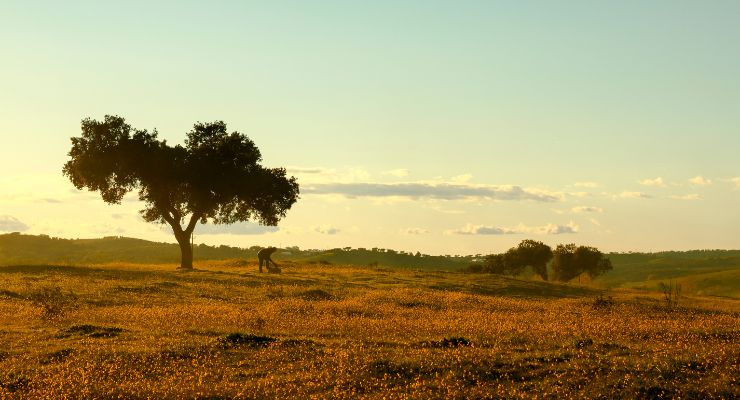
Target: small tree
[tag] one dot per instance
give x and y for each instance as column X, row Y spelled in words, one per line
column 570, row 261
column 535, row 254
column 671, row 293
column 215, row 176
column 516, row 259
column 494, row 264
column 504, row 264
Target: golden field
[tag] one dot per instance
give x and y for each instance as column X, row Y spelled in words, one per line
column 323, row 331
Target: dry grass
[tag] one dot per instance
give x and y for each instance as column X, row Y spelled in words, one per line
column 225, row 331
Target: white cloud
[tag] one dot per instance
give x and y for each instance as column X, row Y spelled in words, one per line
column 414, row 231
column 586, row 184
column 579, row 194
column 355, row 182
column 471, row 229
column 595, row 221
column 241, row 228
column 700, row 181
column 462, row 178
column 398, row 172
column 328, row 175
column 435, row 206
column 658, row 182
column 634, row 195
column 586, row 209
column 736, row 181
column 11, row 224
column 549, row 229
column 692, row 196
column 325, row 229
column 356, row 175
column 104, row 228
column 444, row 191
column 310, row 170
column 552, row 229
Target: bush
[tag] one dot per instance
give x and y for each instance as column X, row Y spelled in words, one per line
column 52, row 301
column 317, row 295
column 448, row 343
column 14, row 382
column 474, row 268
column 92, row 331
column 601, row 302
column 241, row 339
column 671, row 293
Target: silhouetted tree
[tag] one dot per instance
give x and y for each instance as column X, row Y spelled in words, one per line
column 494, row 264
column 516, row 259
column 570, row 261
column 216, row 176
column 504, row 264
column 534, row 254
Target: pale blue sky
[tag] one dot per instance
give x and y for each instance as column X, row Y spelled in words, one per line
column 539, row 95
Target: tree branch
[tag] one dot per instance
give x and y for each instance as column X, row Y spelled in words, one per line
column 173, row 223
column 193, row 221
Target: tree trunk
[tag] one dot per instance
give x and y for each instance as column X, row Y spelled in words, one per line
column 186, row 261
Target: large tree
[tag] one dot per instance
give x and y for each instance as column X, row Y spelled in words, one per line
column 216, row 176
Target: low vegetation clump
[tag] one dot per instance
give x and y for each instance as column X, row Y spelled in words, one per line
column 91, row 331
column 447, row 342
column 52, row 300
column 241, row 339
column 317, row 294
column 333, row 331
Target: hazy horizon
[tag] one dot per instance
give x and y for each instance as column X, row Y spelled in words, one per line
column 435, row 127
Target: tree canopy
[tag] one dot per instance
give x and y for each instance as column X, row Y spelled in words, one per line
column 570, row 261
column 528, row 253
column 216, row 176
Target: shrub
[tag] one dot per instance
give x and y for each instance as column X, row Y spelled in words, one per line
column 671, row 293
column 92, row 331
column 317, row 295
column 52, row 301
column 241, row 339
column 601, row 302
column 448, row 343
column 14, row 382
column 56, row 356
column 474, row 268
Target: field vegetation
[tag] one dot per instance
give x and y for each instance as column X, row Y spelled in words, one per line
column 699, row 272
column 225, row 331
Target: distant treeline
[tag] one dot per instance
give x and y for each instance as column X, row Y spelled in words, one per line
column 16, row 249
column 667, row 265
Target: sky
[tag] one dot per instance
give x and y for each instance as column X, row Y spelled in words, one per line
column 443, row 127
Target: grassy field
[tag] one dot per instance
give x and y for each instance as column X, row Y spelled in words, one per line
column 225, row 331
column 710, row 272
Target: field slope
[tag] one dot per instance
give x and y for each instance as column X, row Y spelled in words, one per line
column 710, row 272
column 225, row 331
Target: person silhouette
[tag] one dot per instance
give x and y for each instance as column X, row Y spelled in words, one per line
column 264, row 256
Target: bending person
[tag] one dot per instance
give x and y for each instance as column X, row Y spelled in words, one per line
column 264, row 256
